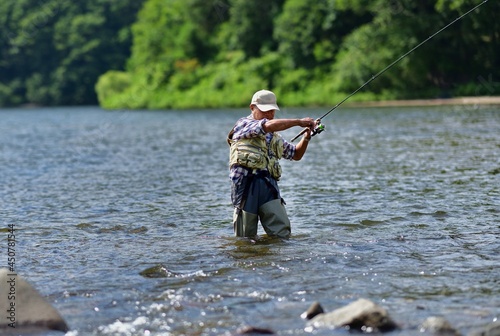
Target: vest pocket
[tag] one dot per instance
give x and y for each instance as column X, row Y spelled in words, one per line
column 275, row 170
column 250, row 156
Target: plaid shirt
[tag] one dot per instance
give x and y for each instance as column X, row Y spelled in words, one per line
column 246, row 128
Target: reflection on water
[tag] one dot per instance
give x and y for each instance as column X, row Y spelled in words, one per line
column 124, row 219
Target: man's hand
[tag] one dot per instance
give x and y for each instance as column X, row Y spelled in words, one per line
column 310, row 123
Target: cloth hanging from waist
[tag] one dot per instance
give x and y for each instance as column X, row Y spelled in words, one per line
column 239, row 193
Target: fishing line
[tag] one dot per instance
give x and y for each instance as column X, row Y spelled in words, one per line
column 320, row 127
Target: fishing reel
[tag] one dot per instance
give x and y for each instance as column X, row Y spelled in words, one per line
column 318, row 129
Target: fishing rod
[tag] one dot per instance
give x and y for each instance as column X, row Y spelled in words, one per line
column 320, row 127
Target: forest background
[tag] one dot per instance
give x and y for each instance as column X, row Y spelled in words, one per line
column 160, row 54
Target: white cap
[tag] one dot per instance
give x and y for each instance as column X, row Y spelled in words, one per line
column 264, row 100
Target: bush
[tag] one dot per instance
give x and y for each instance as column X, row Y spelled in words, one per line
column 110, row 85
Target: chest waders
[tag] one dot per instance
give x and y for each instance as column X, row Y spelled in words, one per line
column 260, row 196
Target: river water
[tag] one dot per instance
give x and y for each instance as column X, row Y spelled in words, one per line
column 397, row 205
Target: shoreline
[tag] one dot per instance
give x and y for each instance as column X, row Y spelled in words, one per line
column 484, row 100
column 480, row 100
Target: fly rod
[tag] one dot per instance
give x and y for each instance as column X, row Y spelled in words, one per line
column 320, row 127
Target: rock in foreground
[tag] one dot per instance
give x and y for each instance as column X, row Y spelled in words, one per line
column 362, row 315
column 438, row 325
column 25, row 307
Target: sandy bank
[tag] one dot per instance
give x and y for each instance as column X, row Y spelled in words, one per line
column 431, row 102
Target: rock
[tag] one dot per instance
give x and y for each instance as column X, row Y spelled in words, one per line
column 254, row 331
column 492, row 329
column 314, row 310
column 158, row 271
column 362, row 315
column 438, row 325
column 25, row 307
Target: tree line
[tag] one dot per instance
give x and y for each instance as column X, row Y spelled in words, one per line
column 215, row 53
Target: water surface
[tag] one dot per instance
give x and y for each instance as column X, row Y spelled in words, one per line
column 400, row 206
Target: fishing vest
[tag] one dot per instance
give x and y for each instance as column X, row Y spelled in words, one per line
column 254, row 153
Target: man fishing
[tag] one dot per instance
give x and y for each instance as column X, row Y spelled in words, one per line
column 255, row 151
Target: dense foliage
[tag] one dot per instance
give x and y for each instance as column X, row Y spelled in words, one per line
column 215, row 53
column 53, row 51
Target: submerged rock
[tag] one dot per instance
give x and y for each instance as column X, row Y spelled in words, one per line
column 158, row 271
column 254, row 331
column 26, row 309
column 362, row 315
column 439, row 326
column 314, row 310
column 492, row 329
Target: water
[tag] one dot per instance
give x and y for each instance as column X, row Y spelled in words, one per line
column 400, row 206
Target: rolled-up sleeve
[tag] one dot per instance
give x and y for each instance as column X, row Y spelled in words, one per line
column 288, row 150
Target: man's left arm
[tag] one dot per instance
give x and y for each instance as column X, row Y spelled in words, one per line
column 301, row 147
column 296, row 152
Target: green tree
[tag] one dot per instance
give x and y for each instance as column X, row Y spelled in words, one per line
column 250, row 27
column 210, row 53
column 53, row 51
column 473, row 44
column 305, row 30
column 435, row 69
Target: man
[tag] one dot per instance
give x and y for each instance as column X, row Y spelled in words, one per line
column 254, row 157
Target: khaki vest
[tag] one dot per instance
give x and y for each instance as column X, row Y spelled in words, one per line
column 253, row 153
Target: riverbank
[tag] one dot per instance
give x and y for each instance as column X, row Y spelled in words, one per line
column 486, row 100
